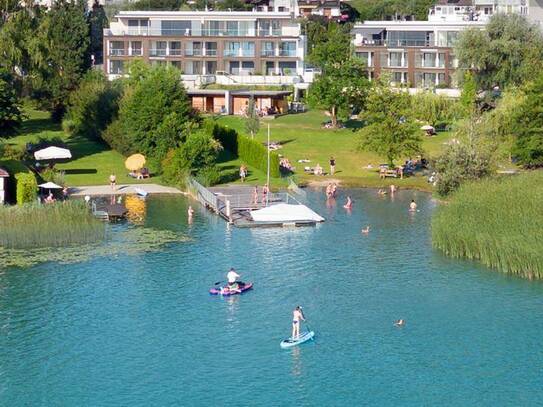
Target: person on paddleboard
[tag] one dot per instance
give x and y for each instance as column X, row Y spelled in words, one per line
column 297, row 317
column 232, row 278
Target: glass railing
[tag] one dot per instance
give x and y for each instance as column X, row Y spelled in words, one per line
column 117, row 52
column 267, row 53
column 210, row 52
column 175, row 52
column 157, row 52
column 193, row 52
column 231, row 53
column 248, row 53
column 287, row 53
column 136, row 52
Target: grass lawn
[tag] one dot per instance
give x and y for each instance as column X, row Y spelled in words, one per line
column 93, row 162
column 303, row 138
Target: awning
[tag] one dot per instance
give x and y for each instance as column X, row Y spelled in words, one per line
column 286, row 213
column 52, row 153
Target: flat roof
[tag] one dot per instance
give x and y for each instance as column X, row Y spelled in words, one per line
column 3, row 173
column 204, row 14
column 417, row 25
column 196, row 92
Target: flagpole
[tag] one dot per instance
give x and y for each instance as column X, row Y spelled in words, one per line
column 268, row 173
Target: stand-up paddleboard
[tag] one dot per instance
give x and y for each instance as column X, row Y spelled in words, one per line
column 304, row 337
column 225, row 291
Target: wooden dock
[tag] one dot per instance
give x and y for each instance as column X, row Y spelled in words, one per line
column 234, row 204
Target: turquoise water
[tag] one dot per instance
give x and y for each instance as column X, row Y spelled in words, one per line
column 141, row 330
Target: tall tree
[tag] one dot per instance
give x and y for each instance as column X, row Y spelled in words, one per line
column 60, row 53
column 332, row 47
column 98, row 21
column 390, row 130
column 468, row 97
column 252, row 121
column 341, row 88
column 528, row 146
column 508, row 51
column 10, row 109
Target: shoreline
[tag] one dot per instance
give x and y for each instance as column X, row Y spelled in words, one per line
column 122, row 189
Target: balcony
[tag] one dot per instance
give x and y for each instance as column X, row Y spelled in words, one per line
column 210, row 53
column 267, row 53
column 157, row 52
column 116, row 52
column 287, row 53
column 175, row 52
column 193, row 52
column 136, row 52
column 395, row 43
column 276, row 32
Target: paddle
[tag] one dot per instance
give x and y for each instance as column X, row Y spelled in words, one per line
column 218, row 282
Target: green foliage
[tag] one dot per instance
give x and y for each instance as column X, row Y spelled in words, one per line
column 468, row 159
column 385, row 9
column 196, row 157
column 53, row 225
column 114, row 136
column 12, row 152
column 60, row 54
column 528, row 146
column 155, row 114
column 390, row 129
column 27, row 188
column 97, row 21
column 508, row 52
column 11, row 115
column 53, row 175
column 92, row 106
column 209, row 176
column 252, row 121
column 331, row 48
column 435, row 110
column 254, row 153
column 496, row 221
column 468, row 97
column 341, row 88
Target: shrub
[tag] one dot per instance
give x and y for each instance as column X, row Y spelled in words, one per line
column 26, row 188
column 209, row 176
column 115, row 138
column 52, row 175
column 248, row 150
column 92, row 106
column 11, row 152
column 435, row 110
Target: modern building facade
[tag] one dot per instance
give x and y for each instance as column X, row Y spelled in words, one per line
column 267, row 43
column 420, row 53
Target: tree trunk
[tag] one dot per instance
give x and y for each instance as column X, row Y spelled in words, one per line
column 333, row 115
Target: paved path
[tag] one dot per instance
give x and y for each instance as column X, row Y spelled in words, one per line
column 123, row 189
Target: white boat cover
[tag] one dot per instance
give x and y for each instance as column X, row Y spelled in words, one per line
column 52, row 153
column 285, row 213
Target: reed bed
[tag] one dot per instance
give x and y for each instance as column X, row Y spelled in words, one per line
column 498, row 222
column 54, row 225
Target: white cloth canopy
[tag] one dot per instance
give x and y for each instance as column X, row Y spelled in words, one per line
column 50, row 185
column 427, row 127
column 52, row 153
column 285, row 213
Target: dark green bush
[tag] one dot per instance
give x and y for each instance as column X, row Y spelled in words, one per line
column 27, row 188
column 248, row 150
column 209, row 176
column 114, row 136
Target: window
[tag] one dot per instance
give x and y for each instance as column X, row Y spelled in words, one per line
column 407, row 38
column 233, row 67
column 212, row 28
column 429, row 60
column 211, row 49
column 194, row 49
column 446, row 38
column 395, row 59
column 136, row 48
column 116, row 67
column 175, row 27
column 366, row 57
column 399, row 77
column 232, row 28
column 441, row 60
column 193, row 68
column 136, row 27
column 268, row 49
column 247, row 67
column 269, row 68
column 158, row 49
column 211, row 67
column 287, row 49
column 116, row 48
column 175, row 48
column 287, row 68
column 177, row 64
column 232, row 49
column 248, row 49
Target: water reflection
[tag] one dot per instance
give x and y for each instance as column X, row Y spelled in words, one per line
column 137, row 209
column 296, row 361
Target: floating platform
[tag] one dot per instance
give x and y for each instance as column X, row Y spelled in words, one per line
column 236, row 204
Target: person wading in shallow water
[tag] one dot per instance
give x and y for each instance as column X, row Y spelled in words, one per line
column 297, row 317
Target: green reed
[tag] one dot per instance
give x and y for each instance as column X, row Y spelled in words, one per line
column 498, row 222
column 53, row 225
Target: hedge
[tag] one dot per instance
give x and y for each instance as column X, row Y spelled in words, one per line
column 26, row 188
column 248, row 150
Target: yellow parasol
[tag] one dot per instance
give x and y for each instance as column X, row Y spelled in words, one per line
column 135, row 162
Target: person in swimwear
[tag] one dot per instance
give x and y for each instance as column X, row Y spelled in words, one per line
column 413, row 206
column 366, row 230
column 297, row 317
column 349, row 203
column 399, row 322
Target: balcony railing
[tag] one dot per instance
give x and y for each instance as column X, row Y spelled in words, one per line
column 157, row 52
column 287, row 53
column 136, row 52
column 175, row 52
column 268, row 53
column 193, row 52
column 194, row 33
column 276, row 32
column 117, row 52
column 396, row 43
column 210, row 53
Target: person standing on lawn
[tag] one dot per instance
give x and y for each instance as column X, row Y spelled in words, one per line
column 332, row 165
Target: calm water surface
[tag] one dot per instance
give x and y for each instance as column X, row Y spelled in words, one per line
column 141, row 330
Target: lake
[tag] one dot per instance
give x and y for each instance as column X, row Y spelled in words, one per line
column 139, row 328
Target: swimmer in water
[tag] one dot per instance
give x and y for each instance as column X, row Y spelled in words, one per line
column 399, row 322
column 349, row 203
column 366, row 230
column 381, row 192
column 413, row 206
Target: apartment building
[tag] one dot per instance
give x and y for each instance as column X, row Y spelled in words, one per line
column 302, row 8
column 241, row 43
column 420, row 53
